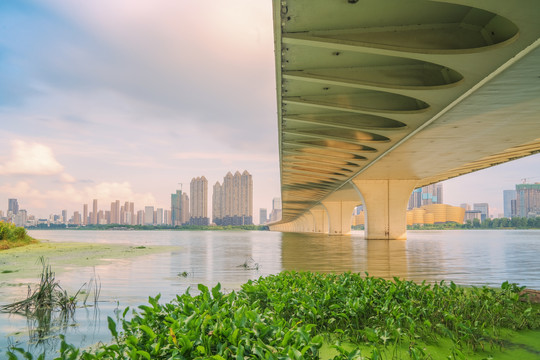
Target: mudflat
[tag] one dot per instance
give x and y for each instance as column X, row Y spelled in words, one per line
column 23, row 262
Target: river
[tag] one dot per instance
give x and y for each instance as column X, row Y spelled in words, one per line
column 467, row 257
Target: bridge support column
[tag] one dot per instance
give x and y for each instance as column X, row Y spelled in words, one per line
column 320, row 219
column 304, row 223
column 385, row 206
column 339, row 214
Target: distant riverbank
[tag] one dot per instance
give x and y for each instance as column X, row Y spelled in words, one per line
column 150, row 227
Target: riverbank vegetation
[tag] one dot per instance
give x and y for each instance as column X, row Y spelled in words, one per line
column 13, row 236
column 497, row 223
column 311, row 316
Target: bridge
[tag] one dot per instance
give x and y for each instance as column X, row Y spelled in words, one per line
column 379, row 97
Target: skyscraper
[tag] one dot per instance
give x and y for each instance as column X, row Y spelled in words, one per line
column 199, row 201
column 13, row 207
column 175, row 208
column 217, row 213
column 94, row 212
column 179, row 208
column 85, row 214
column 246, row 198
column 148, row 215
column 528, row 200
column 184, row 208
column 159, row 216
column 509, row 199
column 232, row 201
column 427, row 195
column 115, row 212
column 263, row 214
column 275, row 215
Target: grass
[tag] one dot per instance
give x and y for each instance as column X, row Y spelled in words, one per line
column 12, row 236
column 306, row 316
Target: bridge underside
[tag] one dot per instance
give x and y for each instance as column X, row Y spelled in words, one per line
column 377, row 97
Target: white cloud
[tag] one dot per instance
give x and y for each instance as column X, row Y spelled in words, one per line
column 65, row 177
column 31, row 159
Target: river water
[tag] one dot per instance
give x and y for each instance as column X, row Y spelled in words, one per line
column 467, row 257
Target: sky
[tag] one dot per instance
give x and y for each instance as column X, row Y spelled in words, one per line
column 131, row 99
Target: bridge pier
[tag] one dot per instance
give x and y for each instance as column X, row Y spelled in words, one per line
column 385, row 206
column 339, row 216
column 320, row 219
column 306, row 223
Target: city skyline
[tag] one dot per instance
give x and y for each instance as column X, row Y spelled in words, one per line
column 127, row 104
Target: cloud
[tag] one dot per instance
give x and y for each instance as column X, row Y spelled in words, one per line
column 31, row 159
column 169, row 62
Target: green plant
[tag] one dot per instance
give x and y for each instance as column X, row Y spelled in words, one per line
column 290, row 315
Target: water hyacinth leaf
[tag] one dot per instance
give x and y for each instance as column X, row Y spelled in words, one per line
column 216, row 294
column 240, row 352
column 148, row 331
column 112, row 327
column 202, row 288
column 144, row 354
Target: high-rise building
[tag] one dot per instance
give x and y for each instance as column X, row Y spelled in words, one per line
column 427, row 195
column 528, row 200
column 76, row 218
column 85, row 214
column 64, row 217
column 246, row 198
column 199, row 201
column 217, row 205
column 13, row 207
column 115, row 212
column 100, row 217
column 184, row 208
column 20, row 218
column 148, row 215
column 263, row 214
column 275, row 215
column 232, row 201
column 94, row 212
column 179, row 208
column 167, row 217
column 509, row 202
column 484, row 210
column 159, row 217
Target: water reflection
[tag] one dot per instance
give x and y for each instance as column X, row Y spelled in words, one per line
column 316, row 252
column 387, row 258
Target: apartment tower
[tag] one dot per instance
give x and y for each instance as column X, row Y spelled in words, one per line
column 232, row 201
column 199, row 201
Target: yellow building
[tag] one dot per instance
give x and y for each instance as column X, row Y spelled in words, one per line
column 435, row 214
column 428, row 214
